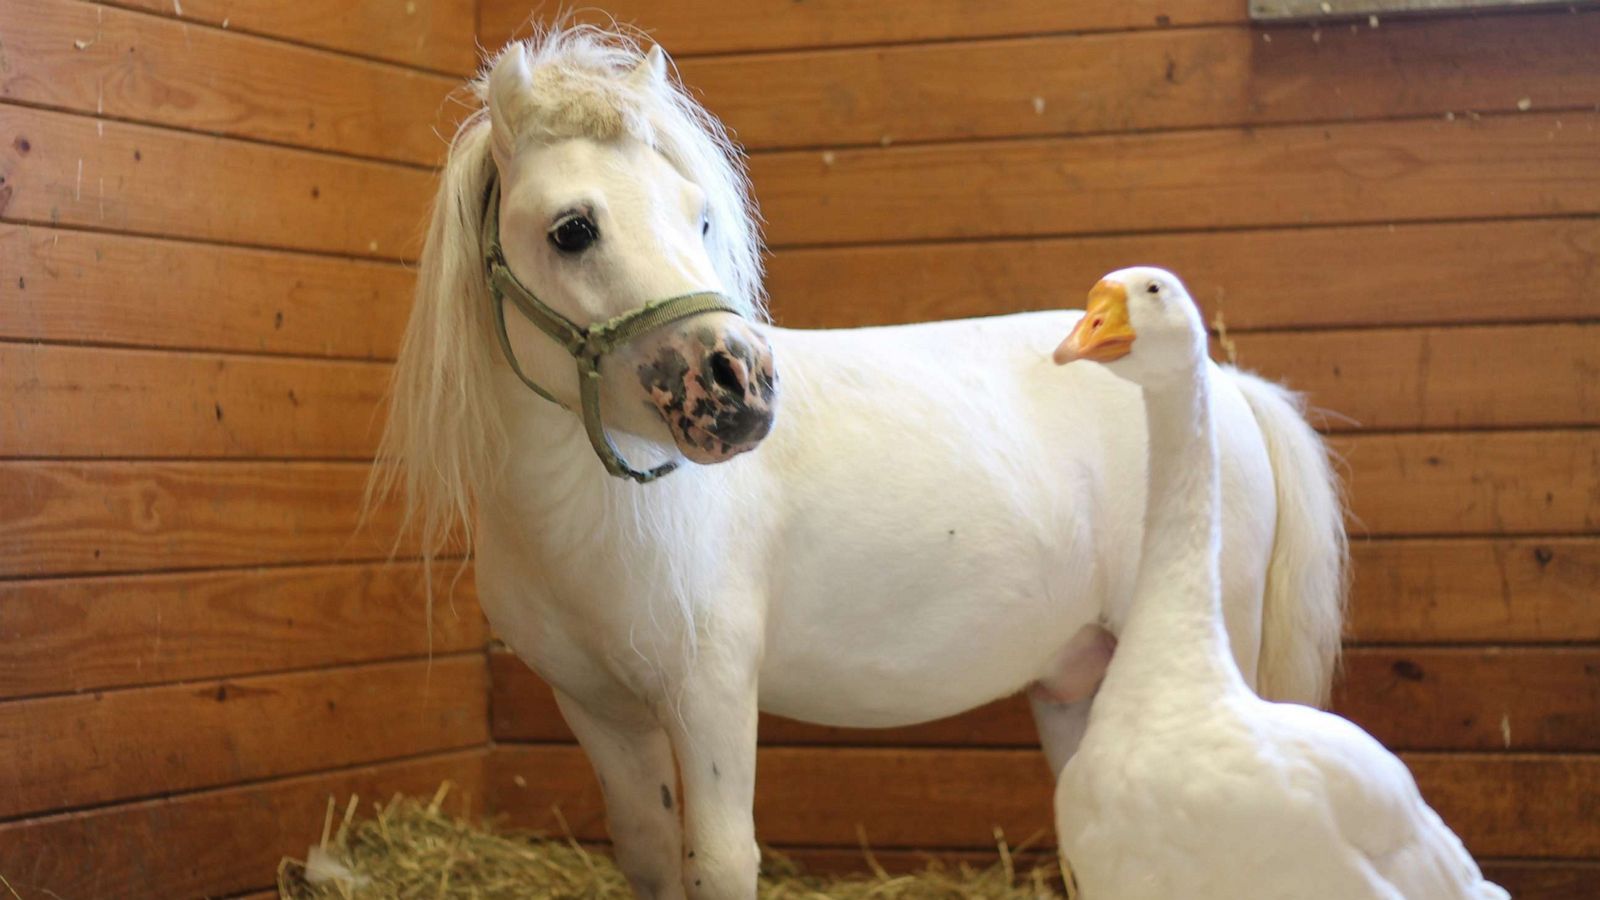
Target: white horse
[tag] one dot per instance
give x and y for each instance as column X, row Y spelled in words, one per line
column 934, row 511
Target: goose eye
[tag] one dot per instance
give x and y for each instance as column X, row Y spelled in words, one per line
column 1153, row 288
column 574, row 234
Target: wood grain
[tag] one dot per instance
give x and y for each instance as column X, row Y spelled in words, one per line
column 214, row 842
column 64, row 518
column 1521, row 805
column 1412, row 698
column 77, row 634
column 66, row 169
column 1521, row 165
column 1544, row 880
column 1474, row 698
column 1542, row 376
column 1494, row 591
column 126, row 516
column 1533, row 805
column 76, row 402
column 1525, row 879
column 1481, row 483
column 84, row 749
column 1145, row 80
column 76, row 286
column 1299, row 278
column 125, row 65
column 689, row 27
column 432, row 33
column 93, row 402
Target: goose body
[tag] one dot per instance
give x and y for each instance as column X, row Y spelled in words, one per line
column 1187, row 785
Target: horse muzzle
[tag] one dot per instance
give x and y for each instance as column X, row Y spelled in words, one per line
column 713, row 382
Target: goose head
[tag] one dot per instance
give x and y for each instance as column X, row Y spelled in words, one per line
column 1142, row 325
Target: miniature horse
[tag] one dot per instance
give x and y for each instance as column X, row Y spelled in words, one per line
column 870, row 527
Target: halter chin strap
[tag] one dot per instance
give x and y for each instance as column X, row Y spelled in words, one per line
column 588, row 345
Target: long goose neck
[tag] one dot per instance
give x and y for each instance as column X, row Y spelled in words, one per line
column 1175, row 633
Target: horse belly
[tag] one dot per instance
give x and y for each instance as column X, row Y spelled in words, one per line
column 951, row 531
column 907, row 636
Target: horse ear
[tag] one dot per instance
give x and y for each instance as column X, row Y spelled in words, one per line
column 510, row 100
column 651, row 72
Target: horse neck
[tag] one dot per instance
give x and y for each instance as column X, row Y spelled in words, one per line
column 1174, row 644
column 547, row 453
column 554, row 490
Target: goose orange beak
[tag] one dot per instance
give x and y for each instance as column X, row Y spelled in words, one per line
column 1103, row 334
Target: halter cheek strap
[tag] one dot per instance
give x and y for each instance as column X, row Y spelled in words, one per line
column 587, row 345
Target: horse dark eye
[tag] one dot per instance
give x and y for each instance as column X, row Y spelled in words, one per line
column 574, row 235
column 705, row 227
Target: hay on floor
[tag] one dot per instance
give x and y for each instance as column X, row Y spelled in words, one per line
column 410, row 848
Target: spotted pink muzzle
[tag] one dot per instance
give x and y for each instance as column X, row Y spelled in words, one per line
column 713, row 382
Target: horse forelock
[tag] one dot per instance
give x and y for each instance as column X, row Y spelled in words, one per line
column 573, row 89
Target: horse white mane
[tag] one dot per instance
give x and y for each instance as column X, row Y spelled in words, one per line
column 445, row 440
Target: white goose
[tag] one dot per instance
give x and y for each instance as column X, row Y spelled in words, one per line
column 1187, row 784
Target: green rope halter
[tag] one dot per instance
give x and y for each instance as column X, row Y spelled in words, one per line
column 588, row 345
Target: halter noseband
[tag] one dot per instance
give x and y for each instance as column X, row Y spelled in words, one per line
column 587, row 345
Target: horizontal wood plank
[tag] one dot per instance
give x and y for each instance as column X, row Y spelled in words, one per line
column 690, row 27
column 64, row 518
column 70, row 401
column 126, row 65
column 1476, row 483
column 84, row 749
column 1529, row 880
column 1414, row 698
column 436, row 34
column 1523, row 165
column 1474, row 699
column 1543, row 376
column 67, row 169
column 1516, row 805
column 76, row 634
column 1495, row 591
column 1144, row 80
column 214, row 842
column 77, row 286
column 1538, row 805
column 1520, row 271
column 88, row 402
column 1525, row 879
column 128, row 516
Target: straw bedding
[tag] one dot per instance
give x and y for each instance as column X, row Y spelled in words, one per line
column 410, row 848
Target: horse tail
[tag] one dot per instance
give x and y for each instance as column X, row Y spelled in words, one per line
column 1307, row 574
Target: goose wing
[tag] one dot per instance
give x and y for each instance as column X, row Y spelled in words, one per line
column 1377, row 808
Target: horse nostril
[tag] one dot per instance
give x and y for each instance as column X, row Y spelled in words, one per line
column 726, row 373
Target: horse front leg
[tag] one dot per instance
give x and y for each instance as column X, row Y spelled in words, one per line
column 713, row 730
column 632, row 758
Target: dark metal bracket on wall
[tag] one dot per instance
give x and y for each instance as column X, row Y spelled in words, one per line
column 1284, row 10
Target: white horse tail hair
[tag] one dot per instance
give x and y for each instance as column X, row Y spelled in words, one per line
column 444, row 435
column 1307, row 574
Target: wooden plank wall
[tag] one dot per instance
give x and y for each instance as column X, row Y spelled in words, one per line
column 206, row 211
column 1401, row 219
